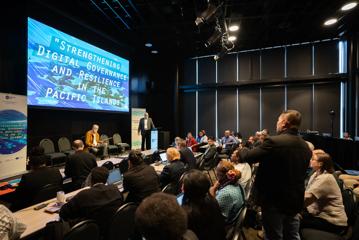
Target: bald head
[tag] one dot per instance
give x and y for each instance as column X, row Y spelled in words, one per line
column 78, row 145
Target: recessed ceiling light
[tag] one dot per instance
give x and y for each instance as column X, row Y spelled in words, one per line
column 148, row 44
column 330, row 21
column 232, row 38
column 154, row 51
column 233, row 28
column 349, row 6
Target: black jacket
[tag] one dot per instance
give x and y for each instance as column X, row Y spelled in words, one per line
column 208, row 157
column 188, row 158
column 31, row 183
column 140, row 182
column 172, row 173
column 79, row 166
column 280, row 178
column 141, row 125
column 99, row 203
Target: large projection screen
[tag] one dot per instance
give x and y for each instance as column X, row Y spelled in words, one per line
column 65, row 72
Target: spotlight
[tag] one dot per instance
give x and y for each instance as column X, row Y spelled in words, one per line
column 154, row 51
column 349, row 6
column 148, row 45
column 220, row 54
column 330, row 21
column 232, row 38
column 207, row 15
column 233, row 28
column 213, row 39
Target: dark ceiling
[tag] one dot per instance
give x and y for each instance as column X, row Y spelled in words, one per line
column 169, row 24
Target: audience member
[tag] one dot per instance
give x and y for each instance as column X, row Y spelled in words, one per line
column 33, row 182
column 191, row 142
column 250, row 142
column 227, row 141
column 187, row 156
column 238, row 137
column 201, row 138
column 204, row 215
column 228, row 193
column 207, row 160
column 172, row 172
column 100, row 202
column 10, row 227
column 176, row 142
column 280, row 176
column 141, row 180
column 79, row 164
column 93, row 142
column 159, row 217
column 346, row 136
column 323, row 198
column 243, row 168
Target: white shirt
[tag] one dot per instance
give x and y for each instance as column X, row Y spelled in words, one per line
column 246, row 174
column 10, row 228
column 94, row 142
column 145, row 123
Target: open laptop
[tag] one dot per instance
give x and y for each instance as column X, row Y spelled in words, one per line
column 163, row 157
column 115, row 177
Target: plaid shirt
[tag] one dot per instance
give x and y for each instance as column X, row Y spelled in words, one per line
column 9, row 227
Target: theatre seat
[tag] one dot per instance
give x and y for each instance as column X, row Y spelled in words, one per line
column 65, row 146
column 112, row 149
column 56, row 158
column 117, row 140
column 87, row 229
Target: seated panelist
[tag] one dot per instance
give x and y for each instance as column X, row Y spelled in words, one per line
column 93, row 142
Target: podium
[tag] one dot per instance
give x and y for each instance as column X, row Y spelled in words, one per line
column 159, row 139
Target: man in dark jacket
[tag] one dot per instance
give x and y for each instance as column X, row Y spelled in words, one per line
column 280, row 178
column 33, row 182
column 144, row 128
column 172, row 173
column 99, row 203
column 141, row 180
column 80, row 164
column 208, row 158
column 187, row 156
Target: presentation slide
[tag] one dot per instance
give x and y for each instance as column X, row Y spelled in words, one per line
column 65, row 72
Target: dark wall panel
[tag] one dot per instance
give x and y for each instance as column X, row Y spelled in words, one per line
column 272, row 106
column 326, row 98
column 206, row 70
column 272, row 64
column 300, row 98
column 248, row 101
column 227, row 69
column 299, row 61
column 207, row 112
column 188, row 112
column 189, row 72
column 248, row 66
column 227, row 110
column 326, row 58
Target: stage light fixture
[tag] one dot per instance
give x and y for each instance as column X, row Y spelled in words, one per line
column 207, row 15
column 221, row 54
column 148, row 45
column 154, row 51
column 330, row 21
column 213, row 39
column 348, row 6
column 233, row 28
column 232, row 38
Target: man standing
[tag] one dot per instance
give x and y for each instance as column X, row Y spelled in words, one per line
column 144, row 128
column 93, row 142
column 79, row 164
column 280, row 178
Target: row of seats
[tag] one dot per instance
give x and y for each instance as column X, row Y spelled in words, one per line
column 65, row 149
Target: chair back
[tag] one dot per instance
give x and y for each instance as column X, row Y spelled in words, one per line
column 64, row 144
column 123, row 223
column 116, row 138
column 87, row 229
column 109, row 165
column 350, row 206
column 104, row 138
column 48, row 145
column 45, row 193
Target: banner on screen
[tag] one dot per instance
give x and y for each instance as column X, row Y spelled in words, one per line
column 13, row 134
column 136, row 115
column 65, row 72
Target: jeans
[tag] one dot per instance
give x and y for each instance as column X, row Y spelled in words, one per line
column 280, row 226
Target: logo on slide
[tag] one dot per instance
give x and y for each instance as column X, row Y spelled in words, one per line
column 13, row 131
